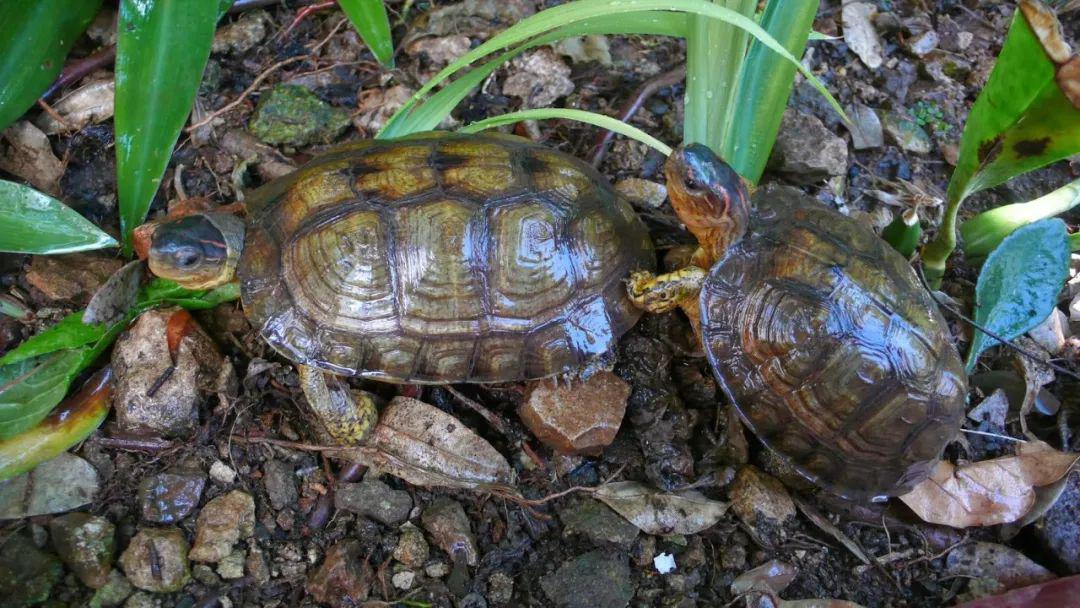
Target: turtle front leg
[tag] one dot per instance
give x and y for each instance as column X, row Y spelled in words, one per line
column 348, row 415
column 661, row 293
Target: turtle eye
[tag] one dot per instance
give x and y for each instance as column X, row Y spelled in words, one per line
column 691, row 184
column 187, row 257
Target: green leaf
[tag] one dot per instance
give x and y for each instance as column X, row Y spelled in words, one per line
column 1021, row 121
column 982, row 233
column 31, row 388
column 70, row 332
column 35, row 37
column 37, row 223
column 600, row 120
column 371, row 22
column 161, row 50
column 1019, row 283
column 903, row 232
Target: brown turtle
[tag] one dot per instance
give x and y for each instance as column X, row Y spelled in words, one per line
column 818, row 332
column 430, row 259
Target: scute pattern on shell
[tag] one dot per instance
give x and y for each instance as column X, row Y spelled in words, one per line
column 442, row 258
column 832, row 351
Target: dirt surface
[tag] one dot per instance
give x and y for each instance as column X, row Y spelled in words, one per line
column 319, row 528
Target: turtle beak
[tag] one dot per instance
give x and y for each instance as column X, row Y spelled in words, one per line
column 142, row 238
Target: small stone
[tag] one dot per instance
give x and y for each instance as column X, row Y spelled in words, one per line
column 907, row 133
column 292, row 115
column 64, row 483
column 733, row 557
column 440, row 50
column 27, row 574
column 598, row 523
column 279, row 479
column 446, row 522
column 642, row 192
column 232, row 567
column 205, row 575
column 755, row 496
column 1050, row 334
column 436, row 570
column 583, row 49
column 241, row 35
column 156, row 560
column 167, row 498
column 116, row 589
column 142, row 599
column 412, row 549
column 500, row 588
column 866, row 131
column 373, row 498
column 403, row 580
column 581, row 418
column 376, row 107
column 221, row 523
column 70, row 278
column 85, row 543
column 806, row 151
column 594, row 580
column 222, row 473
column 538, row 78
column 859, row 32
column 343, row 579
column 255, row 565
column 923, row 44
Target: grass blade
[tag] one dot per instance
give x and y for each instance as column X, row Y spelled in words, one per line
column 372, row 23
column 161, row 50
column 714, row 56
column 35, row 37
column 37, row 223
column 592, row 118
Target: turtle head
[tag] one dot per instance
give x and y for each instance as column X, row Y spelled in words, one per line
column 197, row 251
column 709, row 197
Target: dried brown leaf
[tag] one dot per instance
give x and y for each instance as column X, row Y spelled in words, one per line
column 774, row 575
column 827, row 526
column 663, row 513
column 1000, row 568
column 425, row 446
column 989, row 492
column 25, row 153
column 113, row 299
column 91, row 103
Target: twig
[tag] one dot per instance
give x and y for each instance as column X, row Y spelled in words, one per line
column 491, row 417
column 248, row 91
column 134, row 443
column 632, row 105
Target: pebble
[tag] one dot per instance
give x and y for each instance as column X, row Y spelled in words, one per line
column 436, row 569
column 341, row 580
column 859, row 33
column 403, row 580
column 169, row 497
column 907, row 133
column 756, row 496
column 866, row 131
column 222, row 473
column 440, row 50
column 64, row 483
column 141, row 599
column 27, row 574
column 1050, row 334
column 923, row 44
column 280, row 482
column 446, row 522
column 412, row 549
column 579, row 418
column 241, row 35
column 373, row 498
column 157, row 560
column 500, row 588
column 292, row 115
column 221, row 523
column 807, row 152
column 538, row 78
column 597, row 579
column 598, row 523
column 116, row 590
column 70, row 278
column 85, row 543
column 232, row 566
column 642, row 192
column 255, row 564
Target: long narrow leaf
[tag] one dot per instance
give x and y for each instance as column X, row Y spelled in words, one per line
column 35, row 37
column 161, row 51
column 371, row 22
column 592, row 118
column 715, row 51
column 37, row 223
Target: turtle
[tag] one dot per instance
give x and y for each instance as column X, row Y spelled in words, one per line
column 818, row 332
column 436, row 258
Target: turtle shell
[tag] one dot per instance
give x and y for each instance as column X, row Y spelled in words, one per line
column 442, row 258
column 832, row 352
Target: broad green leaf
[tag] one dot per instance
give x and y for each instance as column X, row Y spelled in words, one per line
column 35, row 37
column 1022, row 120
column 371, row 22
column 70, row 332
column 983, row 232
column 161, row 50
column 31, row 388
column 765, row 83
column 600, row 120
column 34, row 222
column 1019, row 283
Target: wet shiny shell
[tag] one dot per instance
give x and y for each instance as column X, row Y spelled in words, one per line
column 442, row 258
column 832, row 351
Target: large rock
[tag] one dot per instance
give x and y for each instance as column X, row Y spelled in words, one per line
column 1059, row 529
column 85, row 543
column 373, row 498
column 27, row 574
column 157, row 560
column 581, row 418
column 807, row 152
column 221, row 523
column 598, row 523
column 594, row 580
column 64, row 483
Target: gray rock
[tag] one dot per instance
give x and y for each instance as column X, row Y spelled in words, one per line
column 866, row 133
column 169, row 497
column 222, row 522
column 594, row 580
column 806, row 151
column 294, row 116
column 907, row 133
column 85, row 543
column 156, row 560
column 27, row 574
column 446, row 522
column 280, row 481
column 64, row 483
column 923, row 44
column 373, row 498
column 232, row 566
column 412, row 549
column 642, row 192
column 116, row 590
column 1060, row 527
column 598, row 523
column 500, row 588
column 859, row 32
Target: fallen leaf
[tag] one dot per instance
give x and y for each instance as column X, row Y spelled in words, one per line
column 428, row 447
column 91, row 103
column 827, row 526
column 662, row 513
column 1058, row 592
column 25, row 153
column 998, row 568
column 773, row 575
column 989, row 492
column 118, row 295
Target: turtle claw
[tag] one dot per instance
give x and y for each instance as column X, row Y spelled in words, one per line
column 348, row 415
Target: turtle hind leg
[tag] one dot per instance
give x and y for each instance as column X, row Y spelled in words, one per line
column 661, row 293
column 348, row 415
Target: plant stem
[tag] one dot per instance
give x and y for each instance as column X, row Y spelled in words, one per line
column 982, row 233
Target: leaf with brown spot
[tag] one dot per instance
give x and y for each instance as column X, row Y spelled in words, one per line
column 663, row 513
